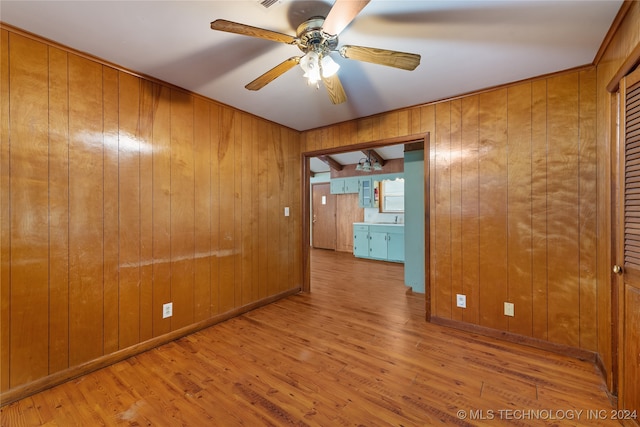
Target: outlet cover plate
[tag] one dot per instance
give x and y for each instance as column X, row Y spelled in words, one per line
column 167, row 310
column 461, row 301
column 509, row 309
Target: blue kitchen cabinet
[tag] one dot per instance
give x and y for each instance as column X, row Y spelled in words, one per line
column 361, row 241
column 351, row 185
column 344, row 185
column 365, row 193
column 395, row 246
column 378, row 241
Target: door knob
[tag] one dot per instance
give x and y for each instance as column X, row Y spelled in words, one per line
column 617, row 269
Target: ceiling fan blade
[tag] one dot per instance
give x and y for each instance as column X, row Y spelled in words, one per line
column 391, row 58
column 247, row 30
column 341, row 14
column 335, row 89
column 273, row 73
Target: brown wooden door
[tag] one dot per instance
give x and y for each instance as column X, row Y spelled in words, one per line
column 627, row 285
column 323, row 222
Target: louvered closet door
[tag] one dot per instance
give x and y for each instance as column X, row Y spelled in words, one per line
column 629, row 235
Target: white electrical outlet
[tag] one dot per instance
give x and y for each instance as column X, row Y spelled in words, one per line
column 461, row 301
column 508, row 309
column 167, row 310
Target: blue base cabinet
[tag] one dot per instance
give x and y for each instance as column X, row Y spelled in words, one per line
column 361, row 240
column 378, row 241
column 395, row 246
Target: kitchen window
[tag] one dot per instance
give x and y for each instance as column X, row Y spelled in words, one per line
column 392, row 196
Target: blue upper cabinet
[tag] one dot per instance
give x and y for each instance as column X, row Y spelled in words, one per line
column 365, row 194
column 344, row 185
column 336, row 186
column 351, row 185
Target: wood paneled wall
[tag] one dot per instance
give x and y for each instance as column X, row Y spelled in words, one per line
column 120, row 194
column 513, row 201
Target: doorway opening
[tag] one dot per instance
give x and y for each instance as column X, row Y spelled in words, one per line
column 306, row 200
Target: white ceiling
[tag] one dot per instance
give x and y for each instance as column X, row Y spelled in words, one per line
column 465, row 46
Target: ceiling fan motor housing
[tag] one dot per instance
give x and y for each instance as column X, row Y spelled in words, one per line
column 311, row 37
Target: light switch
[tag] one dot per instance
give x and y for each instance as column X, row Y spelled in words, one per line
column 286, row 211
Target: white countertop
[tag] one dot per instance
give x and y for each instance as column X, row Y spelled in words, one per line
column 380, row 223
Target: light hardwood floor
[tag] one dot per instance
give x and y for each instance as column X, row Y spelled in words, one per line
column 354, row 351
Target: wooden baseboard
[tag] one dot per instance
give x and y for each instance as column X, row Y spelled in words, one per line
column 60, row 377
column 566, row 350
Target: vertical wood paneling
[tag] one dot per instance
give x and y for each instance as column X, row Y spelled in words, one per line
column 216, row 208
column 539, row 208
column 86, row 211
column 110, row 91
column 182, row 209
column 227, row 208
column 326, row 137
column 128, row 210
column 145, row 135
column 237, row 218
column 519, row 286
column 273, row 208
column 456, row 206
column 246, row 173
column 5, row 228
column 28, row 162
column 257, row 164
column 588, row 209
column 202, row 273
column 493, row 207
column 293, row 181
column 442, row 209
column 58, row 211
column 284, row 200
column 263, row 221
column 365, row 130
column 563, row 210
column 389, row 125
column 347, row 206
column 129, row 195
column 415, row 122
column 404, row 122
column 469, row 209
column 348, row 133
column 161, row 208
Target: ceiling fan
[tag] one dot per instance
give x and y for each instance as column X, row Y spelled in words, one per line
column 317, row 37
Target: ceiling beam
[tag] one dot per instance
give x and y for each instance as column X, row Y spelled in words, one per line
column 376, row 157
column 333, row 164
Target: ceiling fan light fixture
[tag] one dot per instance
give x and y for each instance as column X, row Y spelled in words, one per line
column 310, row 64
column 329, row 66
